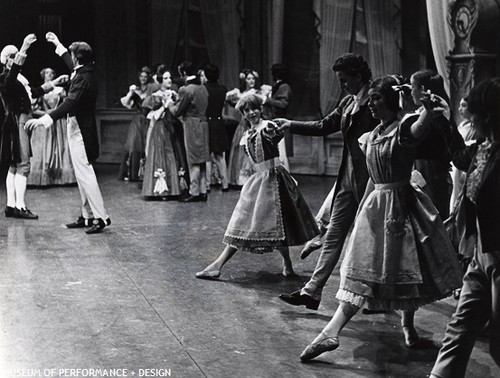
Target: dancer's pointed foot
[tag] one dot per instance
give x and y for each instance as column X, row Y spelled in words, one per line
column 311, row 246
column 317, row 348
column 208, row 274
column 411, row 336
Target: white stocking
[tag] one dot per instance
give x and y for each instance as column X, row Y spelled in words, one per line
column 20, row 185
column 11, row 190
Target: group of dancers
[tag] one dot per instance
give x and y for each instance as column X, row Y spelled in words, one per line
column 163, row 151
column 393, row 191
column 392, row 188
column 78, row 111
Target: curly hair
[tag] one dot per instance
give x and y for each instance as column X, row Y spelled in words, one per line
column 483, row 102
column 353, row 64
column 45, row 70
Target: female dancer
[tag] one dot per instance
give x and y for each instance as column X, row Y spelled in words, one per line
column 435, row 150
column 271, row 213
column 50, row 163
column 407, row 261
column 135, row 145
column 239, row 167
column 161, row 178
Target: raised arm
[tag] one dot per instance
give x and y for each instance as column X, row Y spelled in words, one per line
column 19, row 60
column 60, row 49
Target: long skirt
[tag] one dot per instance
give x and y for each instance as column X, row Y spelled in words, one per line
column 161, row 172
column 51, row 161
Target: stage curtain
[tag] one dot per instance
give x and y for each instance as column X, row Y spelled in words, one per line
column 441, row 37
column 165, row 19
column 276, row 21
column 221, row 26
column 336, row 23
column 383, row 29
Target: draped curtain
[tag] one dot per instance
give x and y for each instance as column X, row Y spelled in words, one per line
column 221, row 28
column 165, row 19
column 335, row 29
column 276, row 21
column 383, row 28
column 383, row 33
column 441, row 37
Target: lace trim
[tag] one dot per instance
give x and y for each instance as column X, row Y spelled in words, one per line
column 379, row 304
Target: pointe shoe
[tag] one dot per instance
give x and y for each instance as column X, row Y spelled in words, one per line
column 208, row 274
column 315, row 349
column 310, row 247
column 411, row 337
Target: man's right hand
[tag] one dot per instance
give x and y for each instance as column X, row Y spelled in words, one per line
column 283, row 123
column 52, row 38
column 61, row 80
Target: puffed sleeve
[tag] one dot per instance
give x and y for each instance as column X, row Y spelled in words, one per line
column 405, row 137
column 363, row 141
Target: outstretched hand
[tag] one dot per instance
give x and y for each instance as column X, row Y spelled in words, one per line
column 282, row 123
column 61, row 80
column 27, row 42
column 52, row 38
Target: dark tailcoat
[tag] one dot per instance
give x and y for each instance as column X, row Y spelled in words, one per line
column 81, row 103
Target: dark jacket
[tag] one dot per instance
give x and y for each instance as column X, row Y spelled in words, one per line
column 81, row 103
column 352, row 127
column 217, row 134
column 488, row 203
column 14, row 101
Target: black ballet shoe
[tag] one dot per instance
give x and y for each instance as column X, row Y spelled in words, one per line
column 24, row 214
column 208, row 274
column 191, row 199
column 411, row 337
column 97, row 226
column 9, row 212
column 315, row 349
column 80, row 223
column 297, row 299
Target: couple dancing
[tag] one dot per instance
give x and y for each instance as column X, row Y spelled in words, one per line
column 79, row 108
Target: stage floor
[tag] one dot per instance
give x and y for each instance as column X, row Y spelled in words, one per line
column 128, row 298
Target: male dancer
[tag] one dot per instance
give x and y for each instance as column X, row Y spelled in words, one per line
column 17, row 109
column 353, row 118
column 79, row 108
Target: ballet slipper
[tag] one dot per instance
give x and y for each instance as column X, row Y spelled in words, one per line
column 313, row 350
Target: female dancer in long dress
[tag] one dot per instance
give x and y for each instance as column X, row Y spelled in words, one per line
column 271, row 213
column 51, row 162
column 161, row 172
column 407, row 260
column 135, row 145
